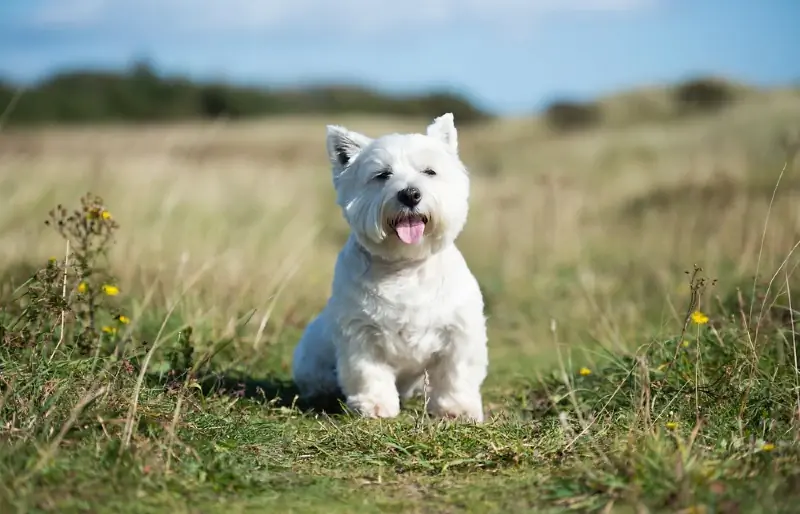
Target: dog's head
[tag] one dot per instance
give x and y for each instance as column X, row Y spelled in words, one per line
column 403, row 195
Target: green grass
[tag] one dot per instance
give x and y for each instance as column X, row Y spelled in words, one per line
column 157, row 418
column 579, row 242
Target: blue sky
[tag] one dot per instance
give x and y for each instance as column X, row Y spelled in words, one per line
column 510, row 56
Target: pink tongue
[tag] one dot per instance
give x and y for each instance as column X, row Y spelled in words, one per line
column 410, row 232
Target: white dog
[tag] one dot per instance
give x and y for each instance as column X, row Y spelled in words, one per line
column 403, row 300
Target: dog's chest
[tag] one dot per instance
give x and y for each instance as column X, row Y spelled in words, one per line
column 414, row 320
column 412, row 336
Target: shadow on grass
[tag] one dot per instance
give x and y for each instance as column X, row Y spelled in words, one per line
column 273, row 391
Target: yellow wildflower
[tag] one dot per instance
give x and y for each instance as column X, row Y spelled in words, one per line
column 767, row 447
column 106, row 215
column 672, row 425
column 110, row 290
column 82, row 287
column 695, row 509
column 699, row 318
column 584, row 372
column 109, row 330
column 123, row 319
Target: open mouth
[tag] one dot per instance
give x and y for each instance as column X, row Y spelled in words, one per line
column 410, row 227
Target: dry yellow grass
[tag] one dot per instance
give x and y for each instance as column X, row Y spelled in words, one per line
column 593, row 230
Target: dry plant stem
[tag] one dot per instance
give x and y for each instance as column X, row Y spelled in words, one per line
column 135, row 401
column 794, row 346
column 51, row 450
column 746, row 327
column 64, row 297
column 10, row 107
column 646, row 394
column 769, row 286
column 763, row 237
column 782, row 266
column 674, row 398
column 585, row 425
column 789, row 162
column 272, row 303
column 295, row 260
column 602, row 411
column 172, row 426
column 695, row 299
column 697, row 364
column 140, row 380
column 426, row 389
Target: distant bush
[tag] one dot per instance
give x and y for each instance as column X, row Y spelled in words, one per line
column 139, row 94
column 703, row 95
column 564, row 116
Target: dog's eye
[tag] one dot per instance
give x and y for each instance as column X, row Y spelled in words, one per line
column 429, row 172
column 383, row 175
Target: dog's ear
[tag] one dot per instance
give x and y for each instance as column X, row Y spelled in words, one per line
column 344, row 146
column 443, row 128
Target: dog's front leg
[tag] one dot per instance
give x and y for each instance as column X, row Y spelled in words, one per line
column 458, row 373
column 368, row 385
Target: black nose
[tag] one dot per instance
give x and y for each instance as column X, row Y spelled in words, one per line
column 409, row 196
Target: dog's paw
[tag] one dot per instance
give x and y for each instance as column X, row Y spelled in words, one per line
column 467, row 408
column 373, row 407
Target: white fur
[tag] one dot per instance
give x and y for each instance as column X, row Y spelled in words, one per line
column 398, row 309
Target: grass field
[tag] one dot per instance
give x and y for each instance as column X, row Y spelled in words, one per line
column 603, row 394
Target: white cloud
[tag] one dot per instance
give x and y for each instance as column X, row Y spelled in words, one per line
column 350, row 15
column 75, row 12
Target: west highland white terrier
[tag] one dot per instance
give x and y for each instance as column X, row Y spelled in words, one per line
column 403, row 299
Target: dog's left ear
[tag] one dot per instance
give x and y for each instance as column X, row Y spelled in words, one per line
column 443, row 128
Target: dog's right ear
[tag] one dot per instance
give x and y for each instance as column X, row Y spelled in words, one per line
column 344, row 146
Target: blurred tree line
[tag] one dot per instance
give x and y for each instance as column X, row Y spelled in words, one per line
column 140, row 94
column 702, row 95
